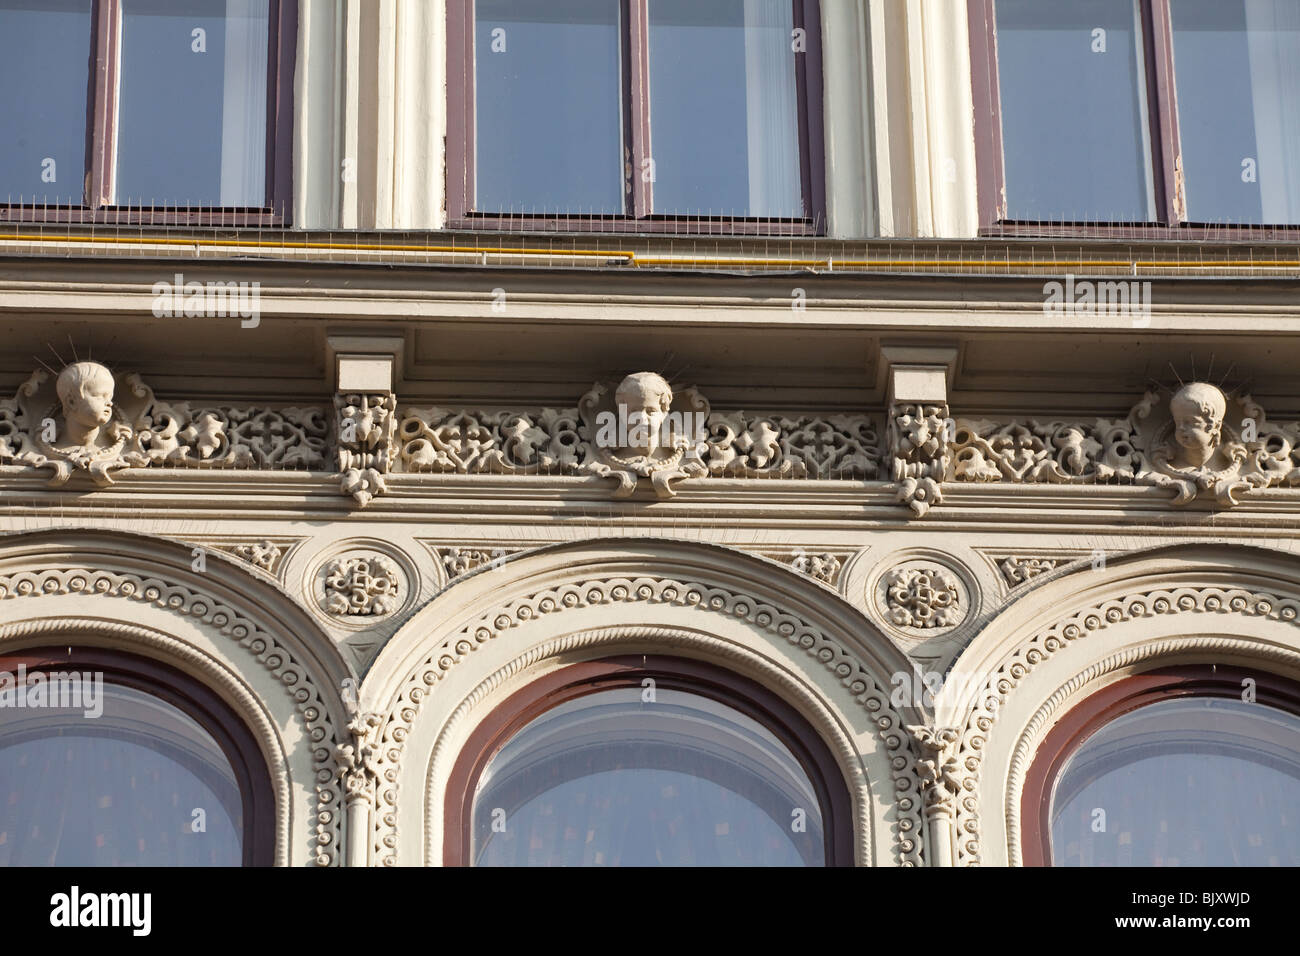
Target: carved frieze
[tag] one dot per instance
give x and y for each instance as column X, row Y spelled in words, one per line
column 1196, row 442
column 91, row 421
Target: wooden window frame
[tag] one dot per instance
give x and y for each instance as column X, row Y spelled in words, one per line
column 635, row 97
column 1096, row 711
column 1166, row 147
column 195, row 699
column 691, row 676
column 101, row 134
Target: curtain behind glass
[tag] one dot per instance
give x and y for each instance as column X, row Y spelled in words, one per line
column 771, row 112
column 1273, row 39
column 243, row 106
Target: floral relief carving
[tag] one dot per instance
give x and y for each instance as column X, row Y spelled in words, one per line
column 824, row 567
column 260, row 554
column 642, row 429
column 362, row 585
column 458, row 561
column 423, row 680
column 918, row 441
column 938, row 766
column 1018, row 570
column 923, row 597
column 367, row 428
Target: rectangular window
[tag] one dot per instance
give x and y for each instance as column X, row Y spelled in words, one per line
column 639, row 115
column 1148, row 113
column 149, row 111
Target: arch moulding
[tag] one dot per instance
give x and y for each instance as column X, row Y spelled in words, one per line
column 1077, row 633
column 239, row 634
column 498, row 629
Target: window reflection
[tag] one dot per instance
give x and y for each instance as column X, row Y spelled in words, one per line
column 548, row 133
column 115, row 790
column 1072, row 83
column 610, row 779
column 43, row 71
column 724, row 113
column 192, row 122
column 1187, row 782
column 1237, row 68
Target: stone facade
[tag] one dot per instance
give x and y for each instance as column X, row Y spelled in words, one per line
column 926, row 513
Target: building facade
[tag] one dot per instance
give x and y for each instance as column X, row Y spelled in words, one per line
column 932, row 504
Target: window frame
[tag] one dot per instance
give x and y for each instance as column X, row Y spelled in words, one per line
column 1166, row 145
column 1094, row 712
column 635, row 98
column 199, row 702
column 672, row 673
column 101, row 136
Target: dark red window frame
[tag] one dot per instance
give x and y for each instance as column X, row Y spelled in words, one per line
column 1093, row 713
column 195, row 699
column 696, row 677
column 1162, row 113
column 101, row 130
column 636, row 136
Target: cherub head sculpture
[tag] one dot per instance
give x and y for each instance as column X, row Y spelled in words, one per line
column 86, row 391
column 643, row 401
column 1198, row 410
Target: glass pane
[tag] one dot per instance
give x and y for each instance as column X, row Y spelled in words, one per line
column 1237, row 74
column 548, row 125
column 724, row 115
column 611, row 780
column 192, row 104
column 45, row 73
column 1074, row 112
column 1191, row 782
column 113, row 788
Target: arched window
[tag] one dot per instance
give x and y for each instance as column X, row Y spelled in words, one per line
column 646, row 761
column 1184, row 766
column 107, row 759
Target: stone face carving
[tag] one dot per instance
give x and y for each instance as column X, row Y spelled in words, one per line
column 362, row 585
column 1198, row 443
column 924, row 597
column 88, row 420
column 918, row 441
column 640, row 430
column 367, row 427
column 644, row 431
column 1019, row 570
